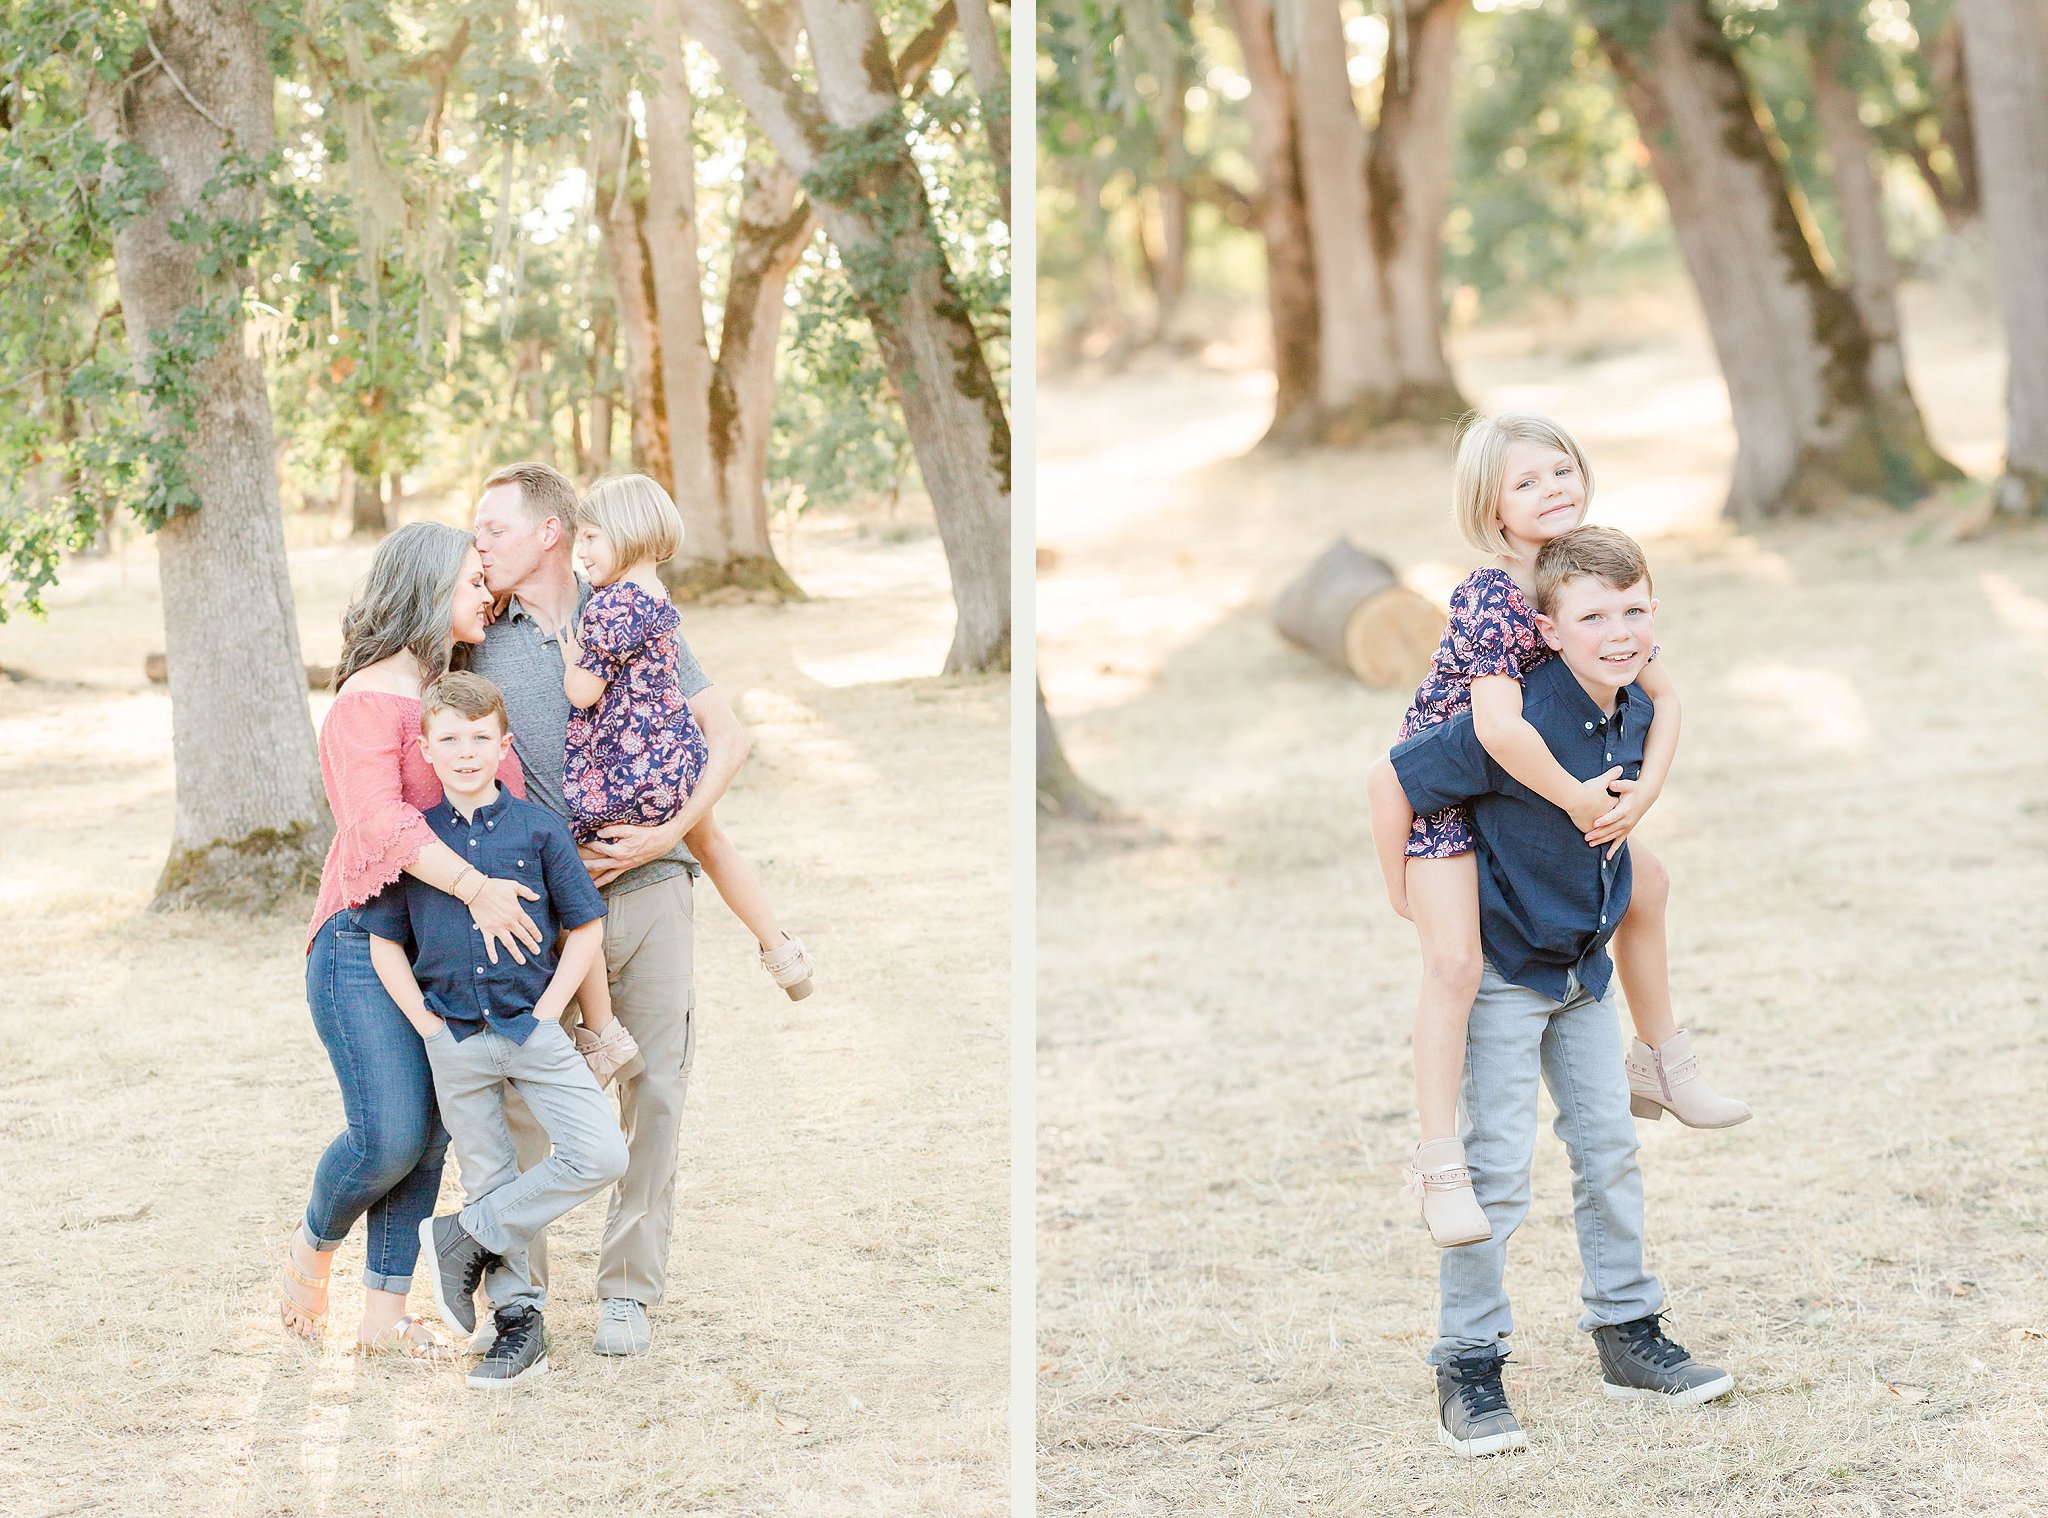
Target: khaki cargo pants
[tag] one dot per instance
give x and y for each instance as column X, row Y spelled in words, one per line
column 647, row 955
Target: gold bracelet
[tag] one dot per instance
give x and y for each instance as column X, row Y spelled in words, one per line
column 468, row 869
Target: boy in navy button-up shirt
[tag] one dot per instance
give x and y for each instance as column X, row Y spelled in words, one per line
column 1548, row 904
column 489, row 1027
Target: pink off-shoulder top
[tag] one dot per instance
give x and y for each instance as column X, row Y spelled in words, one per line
column 378, row 784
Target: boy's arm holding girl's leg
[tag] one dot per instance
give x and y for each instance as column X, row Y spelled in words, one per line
column 1515, row 745
column 395, row 971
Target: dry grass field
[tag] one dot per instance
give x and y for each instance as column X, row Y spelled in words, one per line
column 1234, row 1302
column 837, row 1331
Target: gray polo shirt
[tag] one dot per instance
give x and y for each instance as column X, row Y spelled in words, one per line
column 524, row 660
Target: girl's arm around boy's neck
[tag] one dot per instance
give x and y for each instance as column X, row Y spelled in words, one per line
column 1516, row 746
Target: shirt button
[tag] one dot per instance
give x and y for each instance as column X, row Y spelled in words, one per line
column 1603, row 923
column 472, row 843
column 1589, row 727
column 522, row 864
column 480, row 968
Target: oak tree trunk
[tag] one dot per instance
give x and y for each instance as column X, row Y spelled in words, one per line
column 772, row 228
column 1409, row 172
column 1810, row 426
column 668, row 234
column 991, row 76
column 251, row 820
column 597, row 455
column 1061, row 792
column 632, row 298
column 1873, row 272
column 847, row 145
column 1283, row 225
column 1357, row 374
column 2006, row 50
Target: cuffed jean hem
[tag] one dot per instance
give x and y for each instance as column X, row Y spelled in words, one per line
column 398, row 1285
column 314, row 1242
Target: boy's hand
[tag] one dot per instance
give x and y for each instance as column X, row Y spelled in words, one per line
column 426, row 1025
column 1620, row 819
column 1593, row 801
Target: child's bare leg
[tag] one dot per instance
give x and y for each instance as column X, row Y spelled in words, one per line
column 594, row 996
column 1641, row 954
column 738, row 885
column 1443, row 898
column 1663, row 1071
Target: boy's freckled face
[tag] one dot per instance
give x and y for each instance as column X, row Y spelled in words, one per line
column 1603, row 635
column 465, row 752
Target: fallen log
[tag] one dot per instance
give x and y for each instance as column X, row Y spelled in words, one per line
column 1351, row 609
column 156, row 669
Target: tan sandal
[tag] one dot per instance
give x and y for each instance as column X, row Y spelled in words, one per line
column 789, row 964
column 295, row 1313
column 401, row 1342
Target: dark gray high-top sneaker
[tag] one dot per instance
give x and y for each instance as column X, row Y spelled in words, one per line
column 1638, row 1362
column 455, row 1261
column 1472, row 1408
column 518, row 1353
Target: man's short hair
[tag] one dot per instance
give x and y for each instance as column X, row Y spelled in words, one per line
column 1606, row 554
column 544, row 491
column 468, row 695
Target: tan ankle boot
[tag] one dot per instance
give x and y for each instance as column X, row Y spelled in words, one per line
column 1669, row 1080
column 1439, row 1181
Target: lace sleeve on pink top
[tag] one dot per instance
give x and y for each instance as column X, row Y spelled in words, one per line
column 377, row 832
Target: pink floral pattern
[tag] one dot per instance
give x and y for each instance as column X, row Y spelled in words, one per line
column 1492, row 631
column 638, row 753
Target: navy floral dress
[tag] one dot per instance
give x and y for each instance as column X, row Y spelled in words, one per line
column 637, row 754
column 1492, row 631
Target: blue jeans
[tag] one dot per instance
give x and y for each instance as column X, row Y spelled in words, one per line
column 1516, row 1038
column 387, row 1162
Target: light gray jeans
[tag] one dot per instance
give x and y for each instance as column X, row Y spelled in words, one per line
column 1514, row 1036
column 507, row 1207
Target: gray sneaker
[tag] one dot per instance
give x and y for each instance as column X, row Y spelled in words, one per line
column 1472, row 1408
column 1637, row 1362
column 518, row 1354
column 622, row 1328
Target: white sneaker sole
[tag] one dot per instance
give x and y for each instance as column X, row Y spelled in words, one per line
column 1492, row 1444
column 432, row 1256
column 1706, row 1391
column 496, row 1383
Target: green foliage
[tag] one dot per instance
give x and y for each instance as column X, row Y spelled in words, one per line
column 1549, row 180
column 421, row 267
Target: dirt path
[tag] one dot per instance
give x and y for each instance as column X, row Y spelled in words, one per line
column 1234, row 1303
column 836, row 1337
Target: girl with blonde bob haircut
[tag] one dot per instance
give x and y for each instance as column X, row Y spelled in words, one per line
column 635, row 752
column 1483, row 447
column 1521, row 482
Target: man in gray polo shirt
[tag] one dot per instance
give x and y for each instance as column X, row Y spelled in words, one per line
column 524, row 533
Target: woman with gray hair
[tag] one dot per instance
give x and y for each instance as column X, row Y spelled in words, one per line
column 425, row 594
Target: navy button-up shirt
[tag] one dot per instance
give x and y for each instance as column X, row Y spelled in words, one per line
column 1548, row 900
column 512, row 840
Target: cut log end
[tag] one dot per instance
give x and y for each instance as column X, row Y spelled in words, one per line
column 1351, row 609
column 1390, row 639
